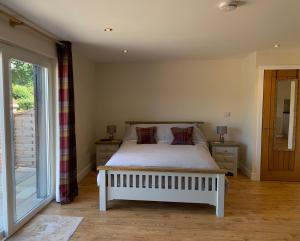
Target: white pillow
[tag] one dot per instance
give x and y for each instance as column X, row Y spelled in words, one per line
column 164, row 133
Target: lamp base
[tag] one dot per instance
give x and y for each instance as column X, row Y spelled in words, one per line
column 221, row 138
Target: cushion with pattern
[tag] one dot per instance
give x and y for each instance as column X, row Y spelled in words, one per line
column 182, row 136
column 146, row 135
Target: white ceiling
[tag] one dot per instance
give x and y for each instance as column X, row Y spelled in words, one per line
column 165, row 29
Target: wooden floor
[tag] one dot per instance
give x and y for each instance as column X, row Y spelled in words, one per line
column 261, row 211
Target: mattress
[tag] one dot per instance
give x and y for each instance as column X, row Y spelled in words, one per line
column 163, row 155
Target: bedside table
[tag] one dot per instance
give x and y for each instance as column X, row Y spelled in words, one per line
column 226, row 154
column 105, row 149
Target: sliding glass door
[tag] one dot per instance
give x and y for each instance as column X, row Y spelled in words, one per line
column 29, row 131
column 3, row 199
column 29, row 128
column 1, row 185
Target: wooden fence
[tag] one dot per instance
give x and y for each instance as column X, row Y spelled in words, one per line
column 24, row 138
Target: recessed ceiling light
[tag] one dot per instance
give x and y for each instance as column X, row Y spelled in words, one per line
column 108, row 29
column 276, row 45
column 125, row 51
column 228, row 5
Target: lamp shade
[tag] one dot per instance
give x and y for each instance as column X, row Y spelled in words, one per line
column 111, row 129
column 222, row 130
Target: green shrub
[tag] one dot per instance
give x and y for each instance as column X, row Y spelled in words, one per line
column 24, row 96
column 21, row 72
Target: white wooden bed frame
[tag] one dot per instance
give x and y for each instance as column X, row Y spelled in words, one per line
column 162, row 184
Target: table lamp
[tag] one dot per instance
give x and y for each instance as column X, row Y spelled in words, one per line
column 111, row 130
column 221, row 130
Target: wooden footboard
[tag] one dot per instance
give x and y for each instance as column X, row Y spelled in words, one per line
column 162, row 184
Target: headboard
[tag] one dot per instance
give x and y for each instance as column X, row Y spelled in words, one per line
column 162, row 122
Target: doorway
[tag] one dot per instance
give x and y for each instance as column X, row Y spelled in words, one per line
column 280, row 115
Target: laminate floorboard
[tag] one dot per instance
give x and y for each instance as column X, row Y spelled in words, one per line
column 268, row 211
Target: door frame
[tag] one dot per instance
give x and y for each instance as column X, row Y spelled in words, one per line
column 260, row 94
column 8, row 51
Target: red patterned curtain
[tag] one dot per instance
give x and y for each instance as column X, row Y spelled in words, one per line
column 68, row 188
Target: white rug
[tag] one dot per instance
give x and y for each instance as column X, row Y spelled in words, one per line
column 48, row 228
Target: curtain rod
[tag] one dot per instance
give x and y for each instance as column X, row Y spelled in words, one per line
column 14, row 22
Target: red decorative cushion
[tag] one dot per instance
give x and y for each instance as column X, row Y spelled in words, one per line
column 146, row 135
column 182, row 136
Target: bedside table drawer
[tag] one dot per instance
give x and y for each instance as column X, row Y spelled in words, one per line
column 224, row 150
column 105, row 150
column 226, row 165
column 108, row 148
column 225, row 158
column 226, row 155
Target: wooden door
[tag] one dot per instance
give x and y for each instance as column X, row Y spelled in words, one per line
column 280, row 155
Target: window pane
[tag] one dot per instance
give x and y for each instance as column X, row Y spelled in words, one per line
column 30, row 133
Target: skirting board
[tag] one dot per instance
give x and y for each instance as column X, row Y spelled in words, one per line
column 84, row 172
column 245, row 170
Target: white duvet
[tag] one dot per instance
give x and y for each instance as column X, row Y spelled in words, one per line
column 163, row 155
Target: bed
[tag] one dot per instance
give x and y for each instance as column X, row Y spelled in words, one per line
column 162, row 172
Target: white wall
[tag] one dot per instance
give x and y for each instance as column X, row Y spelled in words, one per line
column 84, row 80
column 84, row 85
column 26, row 39
column 191, row 90
column 181, row 90
column 249, row 115
column 277, row 57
